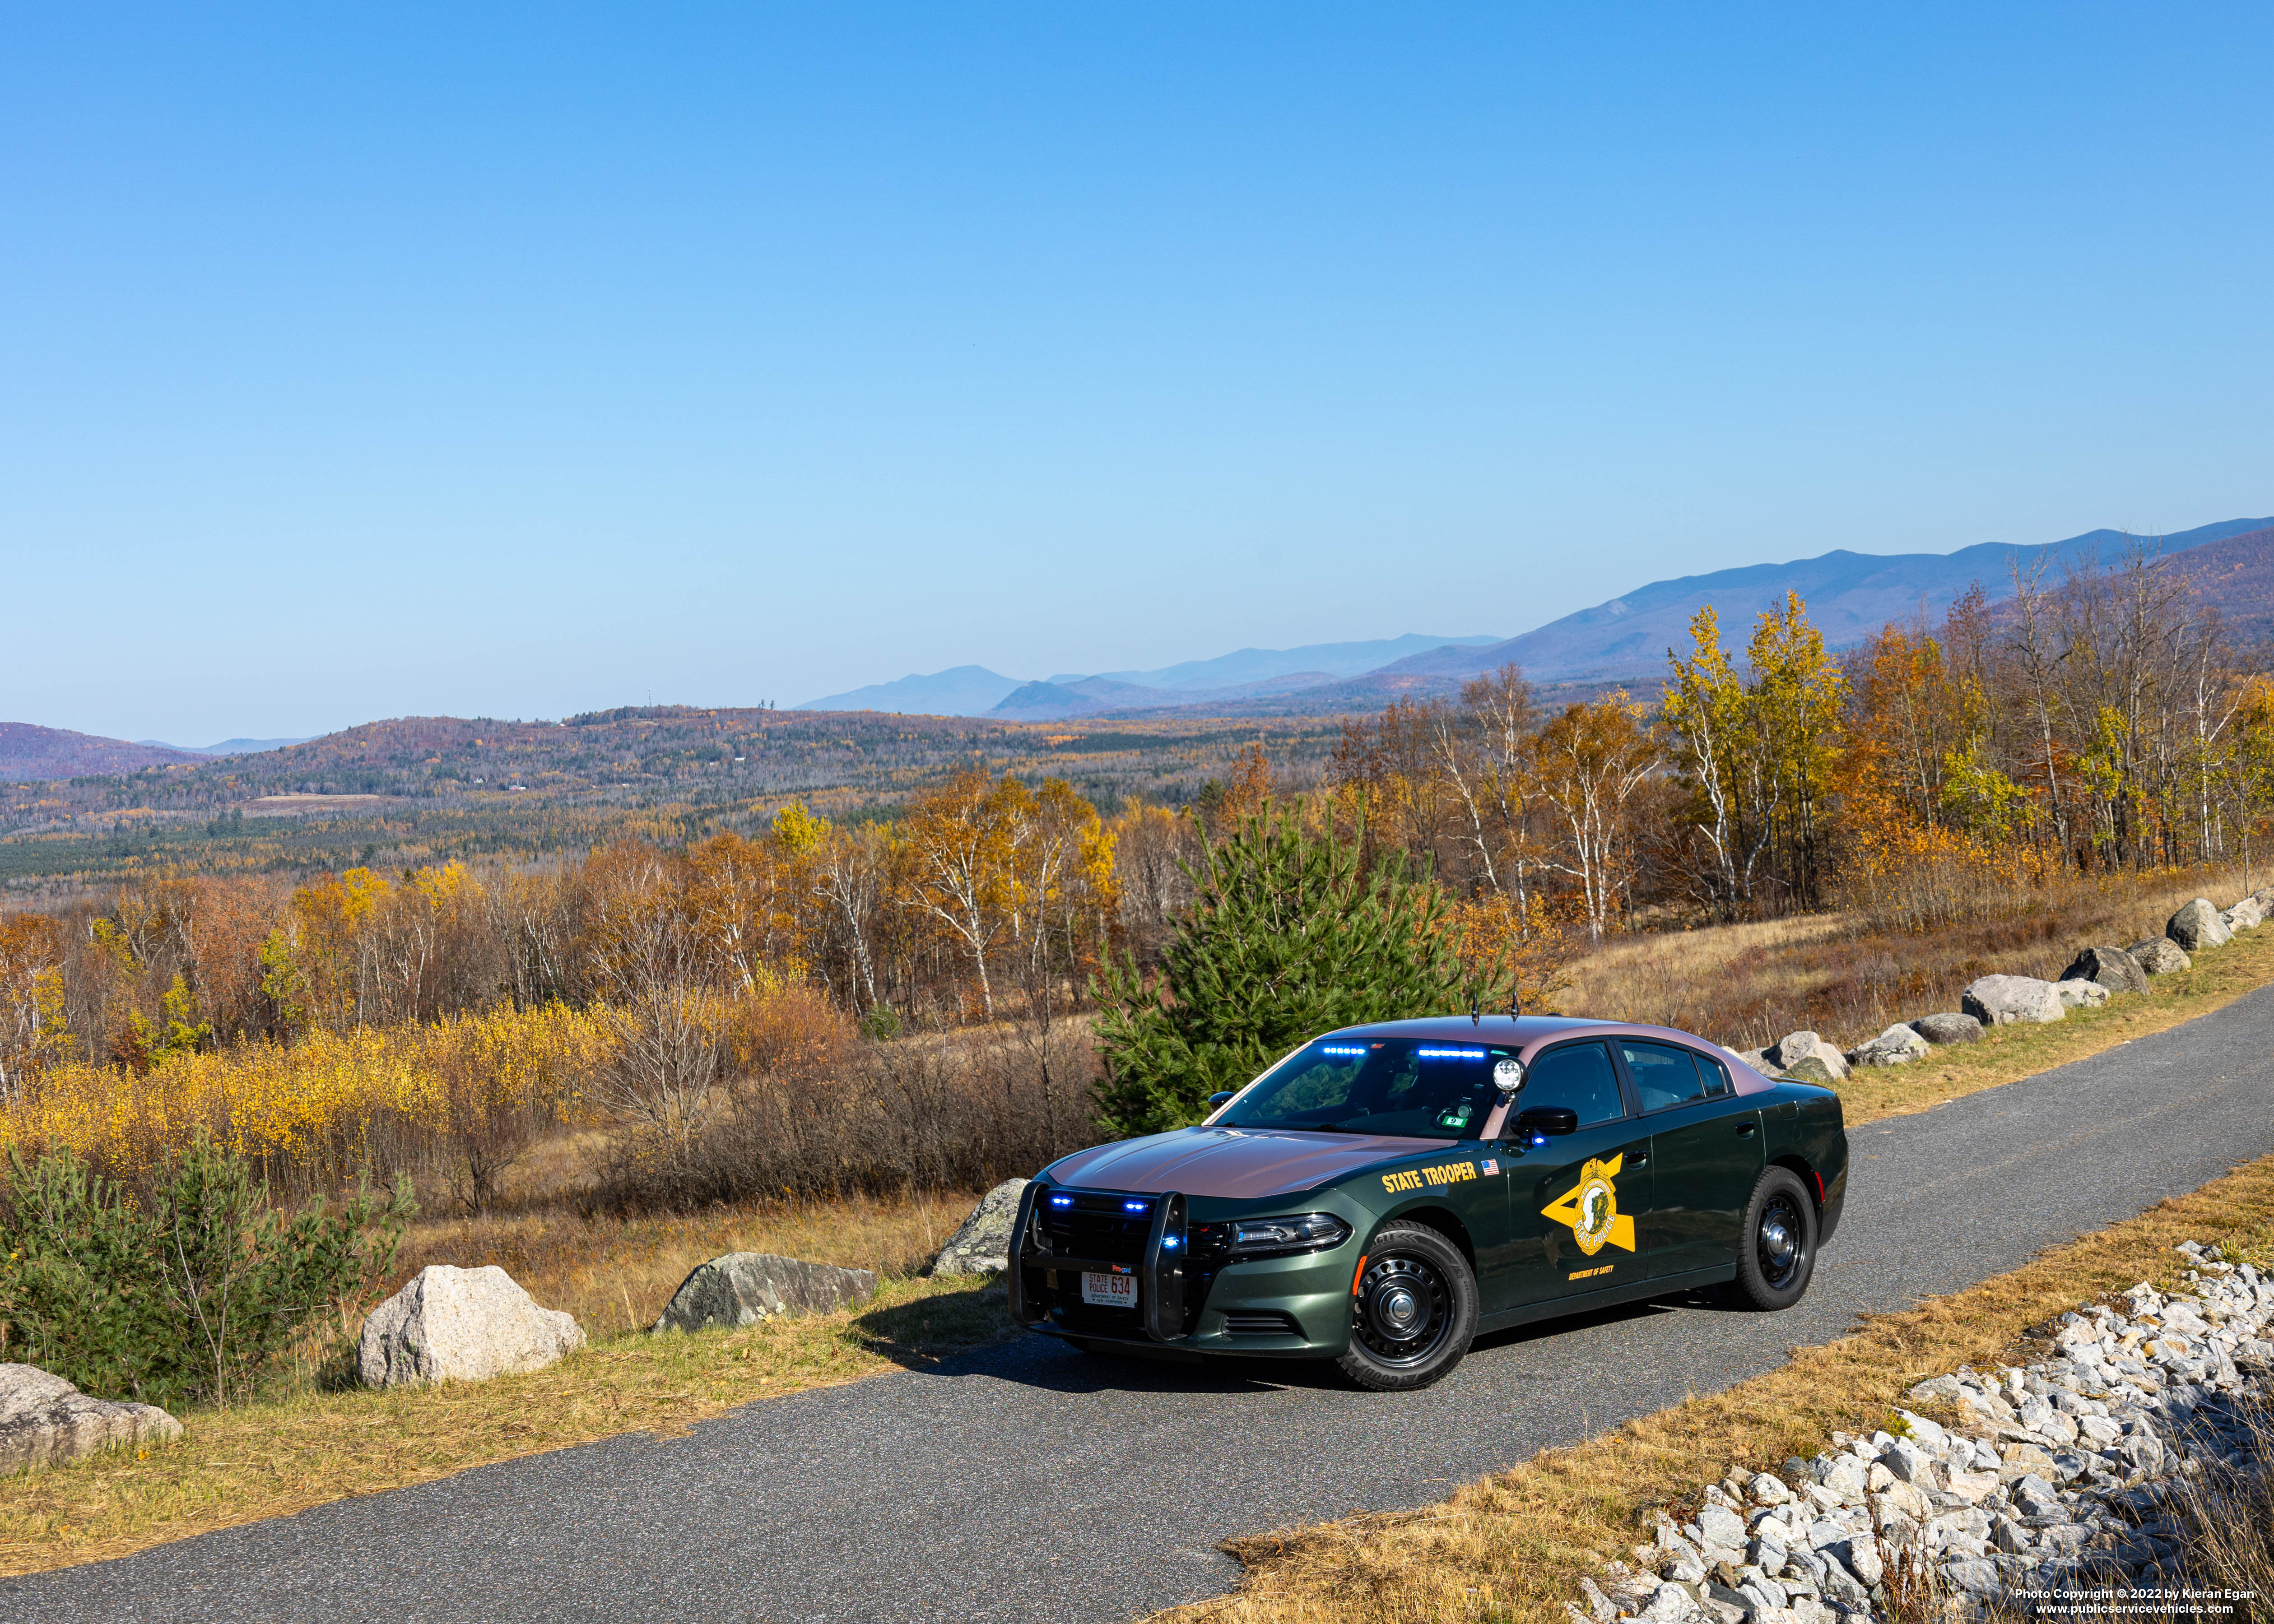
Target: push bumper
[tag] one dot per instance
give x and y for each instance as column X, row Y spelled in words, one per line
column 1285, row 1307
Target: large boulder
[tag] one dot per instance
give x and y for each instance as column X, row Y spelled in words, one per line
column 2082, row 994
column 2160, row 955
column 2244, row 915
column 2111, row 967
column 46, row 1421
column 1898, row 1045
column 1793, row 1051
column 744, row 1287
column 982, row 1245
column 2012, row 1000
column 2198, row 926
column 453, row 1323
column 1947, row 1028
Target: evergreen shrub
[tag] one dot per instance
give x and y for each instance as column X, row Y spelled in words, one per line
column 1289, row 935
column 190, row 1295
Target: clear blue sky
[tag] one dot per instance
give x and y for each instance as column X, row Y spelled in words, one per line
column 366, row 361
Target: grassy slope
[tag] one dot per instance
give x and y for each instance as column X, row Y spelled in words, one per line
column 2008, row 1054
column 271, row 1458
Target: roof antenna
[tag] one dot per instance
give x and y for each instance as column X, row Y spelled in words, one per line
column 1514, row 1009
column 1476, row 1011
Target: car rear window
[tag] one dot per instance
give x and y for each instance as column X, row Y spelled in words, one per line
column 1665, row 1075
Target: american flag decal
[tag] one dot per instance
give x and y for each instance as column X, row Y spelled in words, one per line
column 1491, row 1167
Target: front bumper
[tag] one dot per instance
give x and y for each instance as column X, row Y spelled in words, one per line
column 1189, row 1300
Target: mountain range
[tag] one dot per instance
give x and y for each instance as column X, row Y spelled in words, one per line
column 1849, row 596
column 227, row 746
column 973, row 690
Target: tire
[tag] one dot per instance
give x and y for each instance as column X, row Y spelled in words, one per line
column 1415, row 1310
column 1776, row 1249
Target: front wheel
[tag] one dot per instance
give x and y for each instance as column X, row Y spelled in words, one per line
column 1776, row 1250
column 1415, row 1312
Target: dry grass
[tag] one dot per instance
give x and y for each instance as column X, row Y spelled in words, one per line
column 2220, row 976
column 1748, row 985
column 1512, row 1547
column 615, row 1273
column 324, row 1443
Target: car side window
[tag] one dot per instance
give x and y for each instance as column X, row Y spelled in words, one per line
column 1663, row 1074
column 1579, row 1075
column 1718, row 1081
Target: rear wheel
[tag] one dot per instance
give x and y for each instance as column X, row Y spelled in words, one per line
column 1415, row 1312
column 1776, row 1251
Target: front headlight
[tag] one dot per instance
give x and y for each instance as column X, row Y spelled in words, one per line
column 1269, row 1237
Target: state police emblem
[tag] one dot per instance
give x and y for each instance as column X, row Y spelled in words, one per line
column 1591, row 1209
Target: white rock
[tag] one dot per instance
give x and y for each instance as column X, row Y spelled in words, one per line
column 2160, row 955
column 1796, row 1047
column 1898, row 1045
column 2012, row 1000
column 453, row 1323
column 2198, row 926
column 46, row 1421
column 2082, row 994
column 2244, row 915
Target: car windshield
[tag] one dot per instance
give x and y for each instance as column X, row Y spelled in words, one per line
column 1422, row 1088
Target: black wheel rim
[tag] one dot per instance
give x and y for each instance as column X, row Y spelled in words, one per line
column 1781, row 1241
column 1404, row 1311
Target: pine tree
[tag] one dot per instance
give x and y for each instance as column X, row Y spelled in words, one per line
column 1288, row 936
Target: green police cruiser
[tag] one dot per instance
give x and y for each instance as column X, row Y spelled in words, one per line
column 1387, row 1193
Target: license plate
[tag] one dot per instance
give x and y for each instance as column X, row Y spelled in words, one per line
column 1109, row 1291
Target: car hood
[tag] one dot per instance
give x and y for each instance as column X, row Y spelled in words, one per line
column 1236, row 1164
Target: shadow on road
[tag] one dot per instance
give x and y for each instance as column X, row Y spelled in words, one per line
column 1045, row 1363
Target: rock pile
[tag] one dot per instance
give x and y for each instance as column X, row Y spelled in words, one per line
column 2057, row 1476
column 2096, row 975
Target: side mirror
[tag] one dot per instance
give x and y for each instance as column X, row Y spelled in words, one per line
column 1217, row 1101
column 1549, row 1119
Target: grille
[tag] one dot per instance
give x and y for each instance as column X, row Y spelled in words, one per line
column 1260, row 1324
column 1097, row 1226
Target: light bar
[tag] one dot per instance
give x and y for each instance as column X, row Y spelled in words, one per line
column 1061, row 1200
column 1357, row 1050
column 1136, row 1206
column 1450, row 1054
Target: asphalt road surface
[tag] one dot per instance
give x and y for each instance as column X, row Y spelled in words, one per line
column 1033, row 1482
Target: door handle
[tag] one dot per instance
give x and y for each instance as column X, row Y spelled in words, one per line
column 1745, row 1130
column 1641, row 1161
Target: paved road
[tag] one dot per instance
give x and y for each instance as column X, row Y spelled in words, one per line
column 1036, row 1482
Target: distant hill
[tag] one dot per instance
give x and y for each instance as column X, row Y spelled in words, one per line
column 973, row 690
column 1850, row 596
column 962, row 690
column 227, row 746
column 2236, row 574
column 30, row 753
column 1252, row 665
